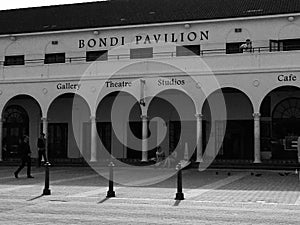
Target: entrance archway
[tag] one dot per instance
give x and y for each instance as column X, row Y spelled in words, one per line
column 280, row 122
column 21, row 116
column 119, row 147
column 173, row 111
column 68, row 137
column 238, row 129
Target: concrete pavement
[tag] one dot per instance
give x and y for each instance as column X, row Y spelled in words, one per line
column 79, row 197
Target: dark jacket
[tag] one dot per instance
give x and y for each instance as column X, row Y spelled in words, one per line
column 24, row 150
column 41, row 143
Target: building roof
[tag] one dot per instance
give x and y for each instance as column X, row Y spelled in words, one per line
column 132, row 12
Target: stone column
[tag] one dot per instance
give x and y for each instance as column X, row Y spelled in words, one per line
column 144, row 140
column 298, row 149
column 256, row 137
column 93, row 139
column 45, row 126
column 1, row 134
column 45, row 131
column 199, row 138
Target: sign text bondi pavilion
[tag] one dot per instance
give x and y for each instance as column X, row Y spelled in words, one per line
column 144, row 39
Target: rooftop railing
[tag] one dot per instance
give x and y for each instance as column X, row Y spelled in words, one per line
column 202, row 53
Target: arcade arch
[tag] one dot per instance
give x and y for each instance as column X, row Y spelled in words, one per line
column 126, row 112
column 68, row 137
column 21, row 115
column 232, row 138
column 280, row 123
column 176, row 128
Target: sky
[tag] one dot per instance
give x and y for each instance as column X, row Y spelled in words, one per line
column 14, row 4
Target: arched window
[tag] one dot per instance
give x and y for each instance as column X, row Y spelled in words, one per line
column 287, row 109
column 15, row 114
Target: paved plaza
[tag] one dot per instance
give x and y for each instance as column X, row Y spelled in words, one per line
column 78, row 196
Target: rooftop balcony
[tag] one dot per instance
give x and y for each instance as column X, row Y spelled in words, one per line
column 258, row 59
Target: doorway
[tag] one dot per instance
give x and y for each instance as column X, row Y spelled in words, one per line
column 58, row 140
column 16, row 124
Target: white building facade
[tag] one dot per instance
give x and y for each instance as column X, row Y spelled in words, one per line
column 125, row 89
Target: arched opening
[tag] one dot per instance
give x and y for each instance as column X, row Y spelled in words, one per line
column 122, row 147
column 68, row 137
column 21, row 116
column 238, row 139
column 280, row 123
column 176, row 111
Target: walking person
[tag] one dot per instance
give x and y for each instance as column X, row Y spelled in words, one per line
column 41, row 144
column 24, row 150
column 160, row 156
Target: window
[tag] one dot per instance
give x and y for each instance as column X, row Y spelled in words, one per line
column 139, row 53
column 234, row 47
column 14, row 60
column 55, row 58
column 187, row 50
column 239, row 47
column 96, row 56
column 285, row 45
column 287, row 109
column 274, row 45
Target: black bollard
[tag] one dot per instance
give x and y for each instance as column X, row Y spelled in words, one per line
column 46, row 190
column 110, row 192
column 179, row 194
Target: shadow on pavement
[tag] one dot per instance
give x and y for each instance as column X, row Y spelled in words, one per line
column 192, row 179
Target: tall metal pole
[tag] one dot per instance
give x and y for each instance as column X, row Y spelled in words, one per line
column 144, row 140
